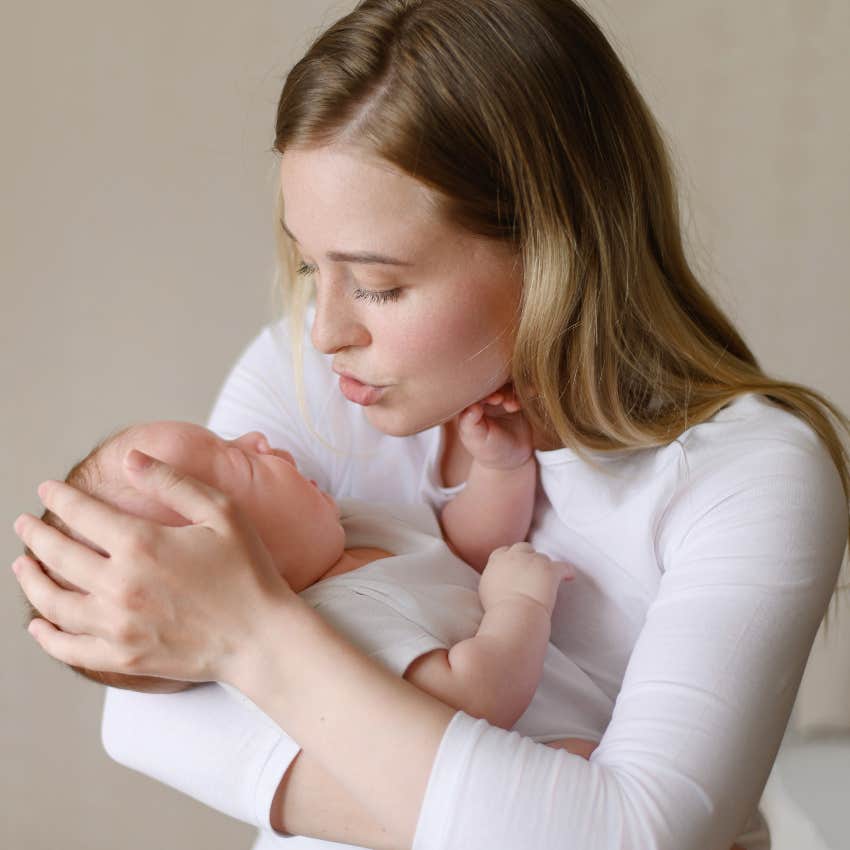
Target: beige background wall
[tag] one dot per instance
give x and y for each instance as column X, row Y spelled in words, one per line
column 136, row 259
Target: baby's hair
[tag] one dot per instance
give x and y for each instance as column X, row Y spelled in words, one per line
column 87, row 475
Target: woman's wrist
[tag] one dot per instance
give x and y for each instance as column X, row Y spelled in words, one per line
column 327, row 694
column 276, row 629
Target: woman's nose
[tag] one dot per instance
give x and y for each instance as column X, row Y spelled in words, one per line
column 336, row 325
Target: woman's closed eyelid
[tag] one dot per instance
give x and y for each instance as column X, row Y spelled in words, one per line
column 377, row 296
column 374, row 296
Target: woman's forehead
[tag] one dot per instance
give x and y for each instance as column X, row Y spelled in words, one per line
column 336, row 199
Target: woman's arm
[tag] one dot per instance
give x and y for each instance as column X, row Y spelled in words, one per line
column 704, row 703
column 213, row 745
column 206, row 742
column 707, row 692
column 748, row 570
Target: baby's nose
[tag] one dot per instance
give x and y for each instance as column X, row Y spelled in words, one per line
column 254, row 440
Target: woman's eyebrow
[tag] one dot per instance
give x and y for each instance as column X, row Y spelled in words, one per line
column 358, row 257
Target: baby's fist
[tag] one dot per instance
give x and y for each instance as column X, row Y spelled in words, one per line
column 520, row 571
column 495, row 431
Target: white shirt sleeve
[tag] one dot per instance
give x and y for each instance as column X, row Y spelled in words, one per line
column 750, row 554
column 215, row 746
column 210, row 742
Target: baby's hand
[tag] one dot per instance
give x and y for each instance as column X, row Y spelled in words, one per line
column 495, row 431
column 520, row 571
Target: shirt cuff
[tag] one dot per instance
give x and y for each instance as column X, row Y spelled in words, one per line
column 492, row 788
column 279, row 761
column 444, row 784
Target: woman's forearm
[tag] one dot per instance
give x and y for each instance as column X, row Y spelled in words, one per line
column 310, row 801
column 374, row 732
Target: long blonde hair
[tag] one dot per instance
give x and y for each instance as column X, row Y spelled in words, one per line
column 520, row 117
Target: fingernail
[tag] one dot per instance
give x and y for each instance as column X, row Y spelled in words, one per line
column 264, row 445
column 138, row 460
column 16, row 525
column 42, row 489
column 16, row 567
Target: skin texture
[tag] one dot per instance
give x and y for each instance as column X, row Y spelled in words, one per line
column 442, row 345
column 446, row 341
column 206, row 601
column 298, row 523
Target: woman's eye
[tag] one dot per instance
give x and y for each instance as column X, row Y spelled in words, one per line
column 370, row 295
column 377, row 297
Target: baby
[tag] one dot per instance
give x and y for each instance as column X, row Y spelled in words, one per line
column 384, row 576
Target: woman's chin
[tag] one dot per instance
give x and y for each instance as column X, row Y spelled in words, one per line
column 398, row 423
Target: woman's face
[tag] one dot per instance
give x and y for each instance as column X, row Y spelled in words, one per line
column 434, row 330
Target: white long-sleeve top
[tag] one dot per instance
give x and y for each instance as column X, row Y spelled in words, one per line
column 703, row 570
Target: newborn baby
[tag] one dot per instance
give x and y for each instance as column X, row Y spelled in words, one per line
column 384, row 577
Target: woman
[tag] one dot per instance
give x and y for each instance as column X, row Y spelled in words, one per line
column 497, row 156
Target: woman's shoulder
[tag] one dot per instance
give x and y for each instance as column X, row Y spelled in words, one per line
column 750, row 436
column 758, row 470
column 753, row 434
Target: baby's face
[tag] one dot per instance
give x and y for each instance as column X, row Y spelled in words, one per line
column 298, row 523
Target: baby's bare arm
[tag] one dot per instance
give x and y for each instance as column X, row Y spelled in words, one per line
column 494, row 674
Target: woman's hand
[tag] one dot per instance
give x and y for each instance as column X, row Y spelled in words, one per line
column 181, row 603
column 495, row 431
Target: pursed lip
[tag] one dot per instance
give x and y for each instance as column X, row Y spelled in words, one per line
column 343, row 374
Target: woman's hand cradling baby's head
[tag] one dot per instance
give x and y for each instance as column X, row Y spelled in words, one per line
column 162, row 602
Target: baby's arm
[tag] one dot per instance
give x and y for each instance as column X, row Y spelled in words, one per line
column 495, row 507
column 494, row 674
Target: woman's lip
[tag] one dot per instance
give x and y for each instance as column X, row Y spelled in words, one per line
column 358, row 392
column 344, row 374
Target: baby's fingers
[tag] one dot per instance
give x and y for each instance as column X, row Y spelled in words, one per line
column 567, row 571
column 472, row 417
column 493, row 398
column 506, row 397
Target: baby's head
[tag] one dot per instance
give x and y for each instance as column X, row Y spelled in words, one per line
column 298, row 523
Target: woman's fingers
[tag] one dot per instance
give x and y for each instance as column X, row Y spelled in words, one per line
column 97, row 522
column 77, row 650
column 72, row 560
column 70, row 610
column 199, row 503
